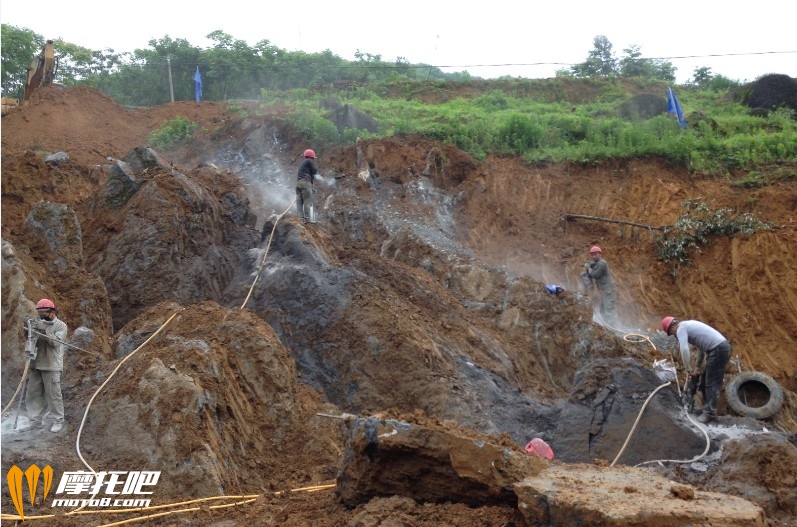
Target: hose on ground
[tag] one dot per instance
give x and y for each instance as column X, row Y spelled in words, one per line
column 21, row 382
column 696, row 458
column 245, row 499
column 168, row 513
column 85, row 414
column 88, row 406
column 265, row 253
column 27, row 368
column 633, row 428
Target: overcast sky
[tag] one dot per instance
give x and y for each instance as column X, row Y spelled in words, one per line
column 514, row 37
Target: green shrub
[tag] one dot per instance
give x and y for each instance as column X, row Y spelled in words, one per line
column 566, row 128
column 517, row 134
column 171, row 133
column 495, row 100
column 753, row 179
column 318, row 130
column 697, row 227
column 239, row 110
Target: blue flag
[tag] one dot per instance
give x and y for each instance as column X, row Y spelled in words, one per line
column 197, row 86
column 673, row 106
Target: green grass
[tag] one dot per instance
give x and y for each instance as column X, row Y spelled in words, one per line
column 171, row 133
column 540, row 122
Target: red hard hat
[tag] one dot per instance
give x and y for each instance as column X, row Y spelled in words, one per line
column 45, row 303
column 595, row 249
column 309, row 153
column 666, row 322
column 539, row 448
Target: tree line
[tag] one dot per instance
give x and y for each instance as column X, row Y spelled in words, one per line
column 231, row 69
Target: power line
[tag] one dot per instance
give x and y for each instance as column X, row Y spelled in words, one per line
column 727, row 55
column 638, row 59
column 393, row 64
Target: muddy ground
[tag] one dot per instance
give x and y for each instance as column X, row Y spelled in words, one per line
column 420, row 298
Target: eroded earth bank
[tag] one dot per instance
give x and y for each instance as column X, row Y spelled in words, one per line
column 396, row 356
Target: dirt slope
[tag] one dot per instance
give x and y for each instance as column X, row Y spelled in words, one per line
column 383, row 308
column 743, row 286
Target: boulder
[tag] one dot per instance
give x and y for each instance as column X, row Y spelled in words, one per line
column 388, row 457
column 588, row 495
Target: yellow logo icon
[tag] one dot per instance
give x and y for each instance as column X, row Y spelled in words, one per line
column 32, row 476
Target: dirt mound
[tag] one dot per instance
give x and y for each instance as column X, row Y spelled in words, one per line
column 761, row 468
column 91, row 127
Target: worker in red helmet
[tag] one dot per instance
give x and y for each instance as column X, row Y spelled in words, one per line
column 44, row 375
column 712, row 347
column 305, row 188
column 597, row 270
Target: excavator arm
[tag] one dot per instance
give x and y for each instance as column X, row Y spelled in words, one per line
column 42, row 70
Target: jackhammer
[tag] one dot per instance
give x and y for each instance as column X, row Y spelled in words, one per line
column 690, row 389
column 31, row 339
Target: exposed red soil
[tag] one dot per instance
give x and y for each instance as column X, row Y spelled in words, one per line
column 513, row 218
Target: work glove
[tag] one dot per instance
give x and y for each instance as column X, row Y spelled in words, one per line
column 38, row 325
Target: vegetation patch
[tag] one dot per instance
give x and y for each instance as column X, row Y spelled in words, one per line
column 171, row 133
column 697, row 227
column 607, row 107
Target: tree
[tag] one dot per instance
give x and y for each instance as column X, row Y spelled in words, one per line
column 701, row 76
column 268, row 57
column 236, row 70
column 367, row 66
column 633, row 65
column 20, row 47
column 74, row 64
column 600, row 60
column 721, row 83
column 77, row 64
column 664, row 70
column 177, row 57
column 363, row 56
column 704, row 79
column 230, row 68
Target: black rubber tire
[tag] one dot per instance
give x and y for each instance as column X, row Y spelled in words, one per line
column 761, row 381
